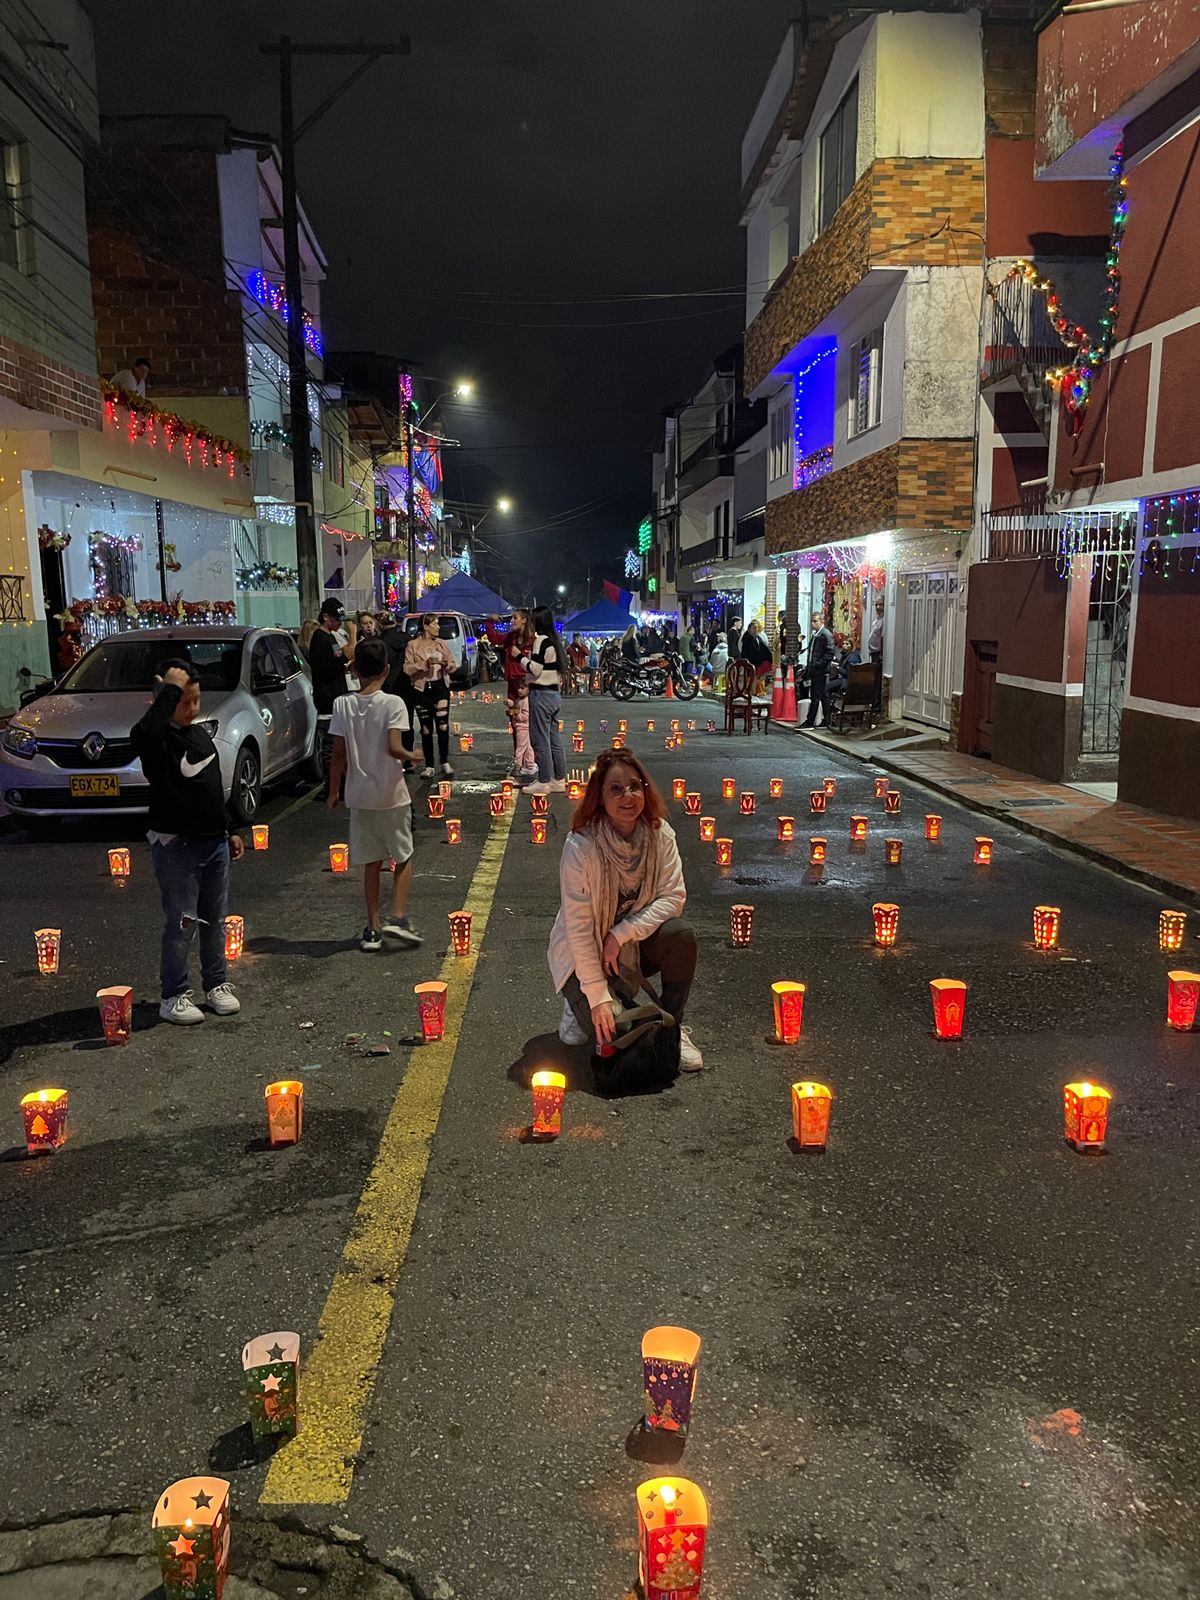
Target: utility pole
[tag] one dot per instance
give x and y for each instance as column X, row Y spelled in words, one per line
column 301, row 433
column 410, row 498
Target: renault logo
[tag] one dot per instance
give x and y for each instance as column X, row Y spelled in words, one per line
column 94, row 746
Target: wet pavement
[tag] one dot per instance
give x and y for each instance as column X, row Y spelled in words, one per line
column 950, row 1356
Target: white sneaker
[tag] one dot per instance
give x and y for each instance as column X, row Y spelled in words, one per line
column 557, row 786
column 690, row 1059
column 447, row 770
column 179, row 1008
column 569, row 1030
column 223, row 1001
column 536, row 788
column 529, row 773
column 428, row 772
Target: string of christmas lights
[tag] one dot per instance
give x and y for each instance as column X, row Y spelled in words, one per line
column 147, row 422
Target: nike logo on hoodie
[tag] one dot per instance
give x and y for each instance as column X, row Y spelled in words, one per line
column 190, row 769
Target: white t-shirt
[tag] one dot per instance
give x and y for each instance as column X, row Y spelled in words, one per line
column 374, row 778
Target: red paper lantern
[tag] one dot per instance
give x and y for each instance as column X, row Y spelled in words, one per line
column 787, row 829
column 672, row 1534
column 431, row 1007
column 891, row 802
column 811, row 1103
column 724, row 852
column 983, row 851
column 949, row 1007
column 830, row 786
column 1085, row 1115
column 48, row 942
column 285, row 1111
column 893, row 849
column 453, row 830
column 933, row 827
column 460, row 932
column 622, row 725
column 649, row 724
column 577, row 744
column 1183, row 991
column 1172, row 926
column 787, row 1000
column 881, row 788
column 339, row 858
column 678, row 788
column 496, row 803
column 775, row 788
column 817, row 802
column 691, row 804
column 437, row 806
column 708, row 829
column 118, row 862
column 261, row 834
column 45, row 1116
column 574, row 790
column 741, row 921
column 728, row 788
column 817, row 851
column 549, row 1091
column 887, row 923
column 540, row 804
column 1046, row 922
column 858, row 828
column 235, row 936
column 537, row 830
column 116, row 1013
column 746, row 803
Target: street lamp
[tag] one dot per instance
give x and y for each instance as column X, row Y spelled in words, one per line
column 464, row 389
column 504, row 504
column 562, row 588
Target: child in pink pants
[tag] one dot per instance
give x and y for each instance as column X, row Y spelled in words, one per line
column 524, row 760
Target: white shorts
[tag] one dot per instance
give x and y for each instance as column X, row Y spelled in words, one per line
column 381, row 835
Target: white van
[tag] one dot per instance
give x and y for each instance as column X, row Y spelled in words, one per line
column 459, row 635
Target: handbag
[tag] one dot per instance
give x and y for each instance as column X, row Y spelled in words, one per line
column 645, row 1052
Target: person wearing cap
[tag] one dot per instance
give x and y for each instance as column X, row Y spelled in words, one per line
column 328, row 660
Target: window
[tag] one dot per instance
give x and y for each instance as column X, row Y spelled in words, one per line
column 288, row 660
column 335, row 462
column 724, row 420
column 16, row 235
column 779, row 455
column 719, row 519
column 866, row 383
column 839, row 154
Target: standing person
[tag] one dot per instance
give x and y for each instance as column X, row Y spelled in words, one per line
column 518, row 640
column 691, row 650
column 733, row 638
column 756, row 651
column 718, row 658
column 543, row 662
column 875, row 653
column 191, row 844
column 621, row 907
column 430, row 666
column 629, row 645
column 330, row 651
column 305, row 637
column 821, row 652
column 371, row 751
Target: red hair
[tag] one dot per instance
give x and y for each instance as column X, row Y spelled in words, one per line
column 591, row 808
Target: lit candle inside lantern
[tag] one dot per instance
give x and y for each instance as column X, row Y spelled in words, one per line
column 191, row 1537
column 788, row 1002
column 1171, row 928
column 460, row 932
column 746, row 802
column 622, row 725
column 618, row 741
column 672, row 1534
column 48, row 942
column 453, row 830
column 670, row 1367
column 830, row 785
column 933, row 826
column 496, row 803
column 817, row 851
column 858, row 828
column 118, row 862
column 949, row 1006
column 724, row 852
column 339, row 857
column 893, row 849
column 691, row 804
column 741, row 921
column 710, row 726
column 708, row 829
column 691, row 725
column 285, row 1110
column 574, row 790
column 431, row 1008
column 465, row 743
column 577, row 744
column 649, row 724
column 891, row 802
column 508, row 788
column 881, row 788
column 445, row 788
column 887, row 922
column 270, row 1372
column 540, row 804
column 787, row 829
column 728, row 788
column 579, row 725
column 235, row 936
column 116, row 1013
column 549, row 1091
column 1046, row 922
column 437, row 806
column 1085, row 1115
column 1183, row 991
column 811, row 1104
column 983, row 851
column 674, row 724
column 45, row 1116
column 678, row 788
column 561, row 725
column 775, row 788
column 261, row 835
column 537, row 830
column 817, row 801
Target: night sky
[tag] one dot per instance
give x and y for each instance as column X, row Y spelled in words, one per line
column 503, row 204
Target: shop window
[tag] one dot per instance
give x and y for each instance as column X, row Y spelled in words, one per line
column 866, row 384
column 839, row 155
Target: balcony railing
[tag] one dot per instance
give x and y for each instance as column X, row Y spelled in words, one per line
column 1021, row 339
column 1031, row 532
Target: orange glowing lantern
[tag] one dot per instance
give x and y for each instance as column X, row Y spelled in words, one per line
column 45, row 1115
column 933, row 827
column 710, row 726
column 669, row 742
column 678, row 788
column 674, row 724
column 508, row 788
column 728, row 788
column 445, row 788
column 858, row 828
column 618, row 741
column 775, row 788
column 672, row 1534
column 191, row 1537
column 1046, row 923
column 270, row 1373
column 818, row 849
column 1172, row 926
column 431, row 1008
column 811, row 1104
column 496, row 803
column 118, row 862
column 49, row 943
column 260, row 833
column 649, row 724
column 887, row 923
column 691, row 804
column 574, row 789
column 741, row 921
column 460, row 932
column 437, row 807
column 540, row 804
column 708, row 829
column 561, row 725
column 830, row 786
column 746, row 803
column 1085, row 1115
column 949, row 1007
column 893, row 849
column 285, row 1110
column 983, row 851
column 579, row 725
column 670, row 1367
column 116, row 1013
column 453, row 830
column 881, row 788
column 691, row 725
column 788, row 1002
column 577, row 744
column 235, row 937
column 787, row 829
column 724, row 852
column 466, row 742
column 622, row 725
column 537, row 830
column 549, row 1091
column 891, row 802
column 339, row 858
column 817, row 801
column 1183, row 991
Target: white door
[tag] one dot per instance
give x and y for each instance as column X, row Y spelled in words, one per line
column 927, row 656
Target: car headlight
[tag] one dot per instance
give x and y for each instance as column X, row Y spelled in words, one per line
column 19, row 741
column 210, row 725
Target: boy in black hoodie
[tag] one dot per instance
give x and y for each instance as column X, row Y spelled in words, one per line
column 190, row 842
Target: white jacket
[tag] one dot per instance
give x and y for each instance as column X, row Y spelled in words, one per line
column 573, row 945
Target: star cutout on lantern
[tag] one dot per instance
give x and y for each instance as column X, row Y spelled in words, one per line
column 202, row 1500
column 182, row 1546
column 271, row 1385
column 275, row 1353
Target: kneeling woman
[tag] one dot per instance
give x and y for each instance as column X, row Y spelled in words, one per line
column 621, row 906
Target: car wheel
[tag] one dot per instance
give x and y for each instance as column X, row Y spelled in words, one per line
column 246, row 790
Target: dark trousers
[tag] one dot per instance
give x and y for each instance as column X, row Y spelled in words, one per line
column 433, row 711
column 193, row 879
column 818, row 696
column 670, row 953
column 877, row 661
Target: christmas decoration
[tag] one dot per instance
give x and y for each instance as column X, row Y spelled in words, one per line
column 1171, row 928
column 118, row 863
column 339, row 857
column 285, row 1111
column 788, row 1002
column 273, row 296
column 264, row 435
column 45, row 1116
column 672, row 1533
column 549, row 1090
column 270, row 1371
column 1183, row 993
column 49, row 943
column 431, row 1007
column 142, row 420
column 811, row 1103
column 191, row 1538
column 670, row 1366
column 268, row 575
column 949, row 1006
column 116, row 1013
column 1085, row 1115
column 50, row 539
column 886, row 918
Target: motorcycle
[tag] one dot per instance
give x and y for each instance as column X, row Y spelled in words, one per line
column 650, row 677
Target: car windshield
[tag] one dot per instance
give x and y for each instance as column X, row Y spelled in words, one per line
column 447, row 626
column 124, row 664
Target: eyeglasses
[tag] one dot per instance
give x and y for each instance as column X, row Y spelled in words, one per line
column 618, row 791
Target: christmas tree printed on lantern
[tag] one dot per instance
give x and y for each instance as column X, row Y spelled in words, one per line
column 681, row 1574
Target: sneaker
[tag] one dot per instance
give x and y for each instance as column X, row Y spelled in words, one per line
column 371, row 939
column 690, row 1059
column 569, row 1030
column 180, row 1008
column 223, row 1001
column 557, row 786
column 428, row 772
column 536, row 788
column 447, row 770
column 528, row 774
column 401, row 930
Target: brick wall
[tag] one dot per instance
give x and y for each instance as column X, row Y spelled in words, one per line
column 38, row 381
column 1009, row 79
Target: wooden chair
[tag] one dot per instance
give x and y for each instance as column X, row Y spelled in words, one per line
column 740, row 704
column 859, row 696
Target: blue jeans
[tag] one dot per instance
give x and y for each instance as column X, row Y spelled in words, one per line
column 193, row 878
column 544, row 706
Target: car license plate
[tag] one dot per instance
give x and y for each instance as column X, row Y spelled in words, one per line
column 96, row 785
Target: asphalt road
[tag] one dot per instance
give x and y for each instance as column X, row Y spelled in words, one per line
column 949, row 1357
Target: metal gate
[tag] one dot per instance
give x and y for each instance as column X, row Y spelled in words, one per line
column 1106, row 654
column 927, row 659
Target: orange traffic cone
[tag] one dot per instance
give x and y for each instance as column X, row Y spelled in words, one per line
column 789, row 712
column 670, row 694
column 777, row 695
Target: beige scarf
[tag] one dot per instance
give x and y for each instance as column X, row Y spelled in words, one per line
column 626, row 867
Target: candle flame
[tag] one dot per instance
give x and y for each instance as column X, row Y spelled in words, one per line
column 669, row 1495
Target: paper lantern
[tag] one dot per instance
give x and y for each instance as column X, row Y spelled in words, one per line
column 983, row 851
column 603, row 724
column 437, row 806
column 746, row 803
column 339, row 857
column 817, row 801
column 431, row 1008
column 285, row 1110
column 710, row 726
column 669, row 742
column 537, row 827
column 1046, row 922
column 622, row 725
column 775, row 788
column 508, row 788
column 270, row 1372
column 887, row 922
column 595, row 683
column 579, row 725
column 672, row 1533
column 881, row 788
column 462, row 697
column 1085, row 1115
column 235, row 936
column 893, row 849
column 460, row 932
column 561, row 725
column 787, row 829
column 549, row 1090
column 45, row 1116
column 949, row 1007
column 456, row 727
column 496, row 803
column 574, row 789
column 858, row 828
column 817, row 851
column 116, row 1013
column 649, row 724
column 670, row 1367
column 1172, row 926
column 465, row 743
column 891, row 802
column 445, row 788
column 674, row 724
column 708, row 829
column 724, row 852
column 453, row 830
column 191, row 1538
column 577, row 744
column 618, row 741
column 933, row 826
column 48, row 942
column 691, row 724
column 540, row 804
column 728, row 788
column 788, row 1002
column 260, row 833
column 811, row 1104
column 118, row 862
column 1183, row 991
column 678, row 788
column 741, row 921
column 691, row 804
column 830, row 786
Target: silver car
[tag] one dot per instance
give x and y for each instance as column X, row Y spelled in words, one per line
column 67, row 752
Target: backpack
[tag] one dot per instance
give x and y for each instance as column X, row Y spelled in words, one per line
column 645, row 1054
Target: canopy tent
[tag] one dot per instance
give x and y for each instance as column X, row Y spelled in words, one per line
column 601, row 617
column 466, row 594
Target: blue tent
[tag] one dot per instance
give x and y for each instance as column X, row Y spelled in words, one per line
column 601, row 617
column 466, row 594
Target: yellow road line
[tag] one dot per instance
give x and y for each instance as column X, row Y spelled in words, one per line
column 317, row 1467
